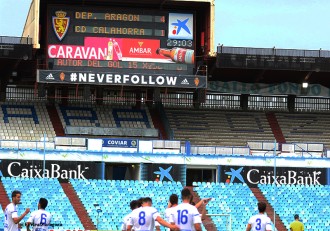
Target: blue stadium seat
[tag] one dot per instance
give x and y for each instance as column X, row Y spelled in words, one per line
column 58, row 203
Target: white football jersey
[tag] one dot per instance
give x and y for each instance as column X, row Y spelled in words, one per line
column 185, row 216
column 125, row 222
column 143, row 218
column 260, row 222
column 10, row 213
column 168, row 213
column 40, row 220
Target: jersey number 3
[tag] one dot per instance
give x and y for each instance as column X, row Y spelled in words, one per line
column 258, row 221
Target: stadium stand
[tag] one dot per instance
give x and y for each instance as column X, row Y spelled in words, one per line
column 305, row 127
column 234, row 199
column 115, row 206
column 309, row 201
column 218, row 128
column 64, row 216
column 28, row 121
column 106, row 120
column 1, row 223
column 105, row 116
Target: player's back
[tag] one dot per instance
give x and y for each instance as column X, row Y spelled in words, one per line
column 168, row 212
column 9, row 224
column 185, row 216
column 260, row 222
column 40, row 220
column 143, row 218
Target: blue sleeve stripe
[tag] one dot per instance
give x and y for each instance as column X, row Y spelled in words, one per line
column 154, row 212
column 196, row 215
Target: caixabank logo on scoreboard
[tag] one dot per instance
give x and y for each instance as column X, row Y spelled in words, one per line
column 180, row 26
column 253, row 176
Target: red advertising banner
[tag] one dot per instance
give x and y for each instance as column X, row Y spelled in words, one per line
column 138, row 49
column 101, row 48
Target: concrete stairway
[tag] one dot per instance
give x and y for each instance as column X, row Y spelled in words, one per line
column 207, row 222
column 78, row 206
column 269, row 210
column 276, row 129
column 4, row 199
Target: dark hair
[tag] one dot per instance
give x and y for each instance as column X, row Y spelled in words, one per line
column 185, row 194
column 262, row 207
column 174, row 199
column 14, row 193
column 140, row 201
column 134, row 204
column 296, row 216
column 146, row 200
column 43, row 203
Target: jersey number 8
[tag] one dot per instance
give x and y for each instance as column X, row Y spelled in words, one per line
column 142, row 218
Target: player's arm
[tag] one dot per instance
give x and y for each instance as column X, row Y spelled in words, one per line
column 129, row 224
column 205, row 201
column 123, row 227
column 166, row 224
column 157, row 226
column 269, row 226
column 29, row 222
column 201, row 202
column 28, row 226
column 18, row 219
column 196, row 219
column 248, row 227
column 198, row 227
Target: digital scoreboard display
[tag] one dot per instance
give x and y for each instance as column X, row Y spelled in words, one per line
column 120, row 40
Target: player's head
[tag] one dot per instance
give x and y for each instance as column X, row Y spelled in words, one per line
column 139, row 202
column 146, row 201
column 262, row 207
column 296, row 217
column 174, row 199
column 16, row 196
column 134, row 204
column 43, row 202
column 186, row 194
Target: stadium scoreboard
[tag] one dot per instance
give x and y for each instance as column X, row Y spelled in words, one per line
column 120, row 40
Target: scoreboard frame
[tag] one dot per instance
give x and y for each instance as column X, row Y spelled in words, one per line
column 123, row 26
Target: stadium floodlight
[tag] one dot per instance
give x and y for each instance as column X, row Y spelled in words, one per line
column 304, row 84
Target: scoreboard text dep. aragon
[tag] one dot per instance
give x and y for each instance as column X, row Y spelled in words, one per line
column 121, row 41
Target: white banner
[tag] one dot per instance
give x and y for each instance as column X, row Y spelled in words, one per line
column 207, row 160
column 286, row 88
